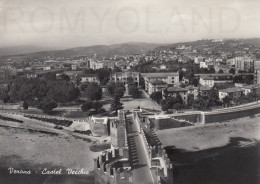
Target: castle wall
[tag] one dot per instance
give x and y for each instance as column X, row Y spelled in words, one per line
column 99, row 129
column 194, row 118
column 229, row 115
column 165, row 123
column 107, row 173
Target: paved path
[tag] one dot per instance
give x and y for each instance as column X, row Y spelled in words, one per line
column 141, row 170
column 145, row 95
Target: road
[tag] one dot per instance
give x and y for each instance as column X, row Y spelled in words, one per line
column 141, row 170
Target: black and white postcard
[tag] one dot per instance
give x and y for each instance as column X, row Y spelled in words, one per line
column 129, row 92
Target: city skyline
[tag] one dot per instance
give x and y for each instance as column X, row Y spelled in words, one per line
column 64, row 24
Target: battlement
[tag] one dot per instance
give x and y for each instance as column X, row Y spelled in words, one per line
column 117, row 123
column 112, row 167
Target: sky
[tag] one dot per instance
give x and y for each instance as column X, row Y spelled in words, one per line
column 67, row 23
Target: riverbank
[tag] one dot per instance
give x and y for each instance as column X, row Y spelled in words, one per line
column 33, row 150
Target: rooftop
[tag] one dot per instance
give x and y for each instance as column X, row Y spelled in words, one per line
column 190, row 87
column 176, row 89
column 251, row 86
column 204, row 88
column 207, row 77
column 231, row 90
column 154, row 75
column 213, row 74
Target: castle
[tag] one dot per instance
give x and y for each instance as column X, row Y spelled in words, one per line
column 114, row 166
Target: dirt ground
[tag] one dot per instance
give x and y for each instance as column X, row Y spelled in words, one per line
column 213, row 135
column 23, row 148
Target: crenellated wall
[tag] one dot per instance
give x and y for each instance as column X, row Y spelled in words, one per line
column 160, row 164
column 112, row 167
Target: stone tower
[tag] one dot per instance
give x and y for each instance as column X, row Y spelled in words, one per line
column 118, row 131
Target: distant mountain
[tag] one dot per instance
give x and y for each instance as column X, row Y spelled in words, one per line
column 252, row 41
column 23, row 49
column 226, row 44
column 100, row 50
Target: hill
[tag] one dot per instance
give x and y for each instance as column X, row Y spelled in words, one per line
column 100, row 50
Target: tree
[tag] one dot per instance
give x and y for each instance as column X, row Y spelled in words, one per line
column 104, row 75
column 237, row 79
column 142, row 83
column 232, row 70
column 178, row 99
column 133, row 90
column 181, row 74
column 251, row 96
column 116, row 89
column 211, row 70
column 93, row 92
column 182, row 85
column 156, row 96
column 164, row 105
column 177, row 106
column 226, row 100
column 130, row 80
column 78, row 81
column 199, row 103
column 51, row 76
column 220, row 71
column 97, row 106
column 25, row 105
column 86, row 106
column 65, row 77
column 4, row 96
column 116, row 104
column 249, row 79
column 47, row 107
column 194, row 81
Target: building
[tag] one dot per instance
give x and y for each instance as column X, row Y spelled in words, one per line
column 74, row 67
column 255, row 89
column 4, row 76
column 257, row 76
column 51, row 67
column 168, row 78
column 203, row 91
column 244, row 63
column 206, row 64
column 233, row 93
column 207, row 81
column 197, row 60
column 175, row 91
column 215, row 78
column 123, row 77
column 95, row 65
column 191, row 89
column 90, row 78
column 99, row 126
column 222, row 67
column 156, row 86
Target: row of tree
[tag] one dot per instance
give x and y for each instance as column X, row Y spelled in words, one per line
column 43, row 93
column 97, row 106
